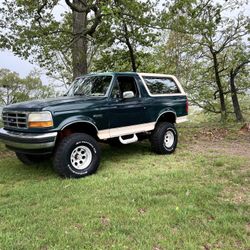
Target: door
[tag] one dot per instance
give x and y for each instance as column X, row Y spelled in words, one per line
column 126, row 112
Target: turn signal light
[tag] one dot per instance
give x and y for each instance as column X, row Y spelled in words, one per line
column 41, row 124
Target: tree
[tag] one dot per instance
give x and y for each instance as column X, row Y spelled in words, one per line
column 171, row 57
column 32, row 31
column 214, row 34
column 15, row 89
column 68, row 44
column 240, row 57
column 127, row 35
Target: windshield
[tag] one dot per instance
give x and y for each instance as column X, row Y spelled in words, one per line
column 90, row 86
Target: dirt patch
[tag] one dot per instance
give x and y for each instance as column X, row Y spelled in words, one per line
column 236, row 195
column 6, row 154
column 222, row 141
column 245, row 128
column 235, row 148
column 213, row 134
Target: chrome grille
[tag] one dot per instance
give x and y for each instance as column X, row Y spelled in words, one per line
column 12, row 119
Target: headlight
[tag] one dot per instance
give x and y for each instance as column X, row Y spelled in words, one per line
column 40, row 120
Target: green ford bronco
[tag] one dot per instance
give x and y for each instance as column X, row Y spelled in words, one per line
column 116, row 108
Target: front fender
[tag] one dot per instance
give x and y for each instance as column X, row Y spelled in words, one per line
column 76, row 119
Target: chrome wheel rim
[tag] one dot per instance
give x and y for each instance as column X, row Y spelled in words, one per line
column 169, row 139
column 81, row 157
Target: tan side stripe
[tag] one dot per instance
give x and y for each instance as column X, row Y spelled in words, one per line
column 128, row 130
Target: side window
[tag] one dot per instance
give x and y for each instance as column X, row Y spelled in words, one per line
column 116, row 91
column 123, row 84
column 161, row 85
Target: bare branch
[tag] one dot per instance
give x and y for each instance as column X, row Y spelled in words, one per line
column 205, row 107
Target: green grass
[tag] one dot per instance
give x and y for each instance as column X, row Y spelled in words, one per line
column 137, row 200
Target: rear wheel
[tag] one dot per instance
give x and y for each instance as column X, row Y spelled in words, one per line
column 164, row 138
column 31, row 159
column 77, row 155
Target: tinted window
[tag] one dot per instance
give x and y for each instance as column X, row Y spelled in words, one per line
column 161, row 85
column 90, row 86
column 123, row 84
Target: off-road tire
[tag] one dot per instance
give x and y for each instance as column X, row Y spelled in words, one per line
column 63, row 155
column 157, row 138
column 31, row 159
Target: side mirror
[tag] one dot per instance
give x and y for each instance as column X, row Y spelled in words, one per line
column 128, row 94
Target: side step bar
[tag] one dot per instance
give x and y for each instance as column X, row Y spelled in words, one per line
column 128, row 141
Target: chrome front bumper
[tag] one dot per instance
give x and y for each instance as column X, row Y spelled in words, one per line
column 32, row 141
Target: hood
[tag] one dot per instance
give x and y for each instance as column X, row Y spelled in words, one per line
column 38, row 105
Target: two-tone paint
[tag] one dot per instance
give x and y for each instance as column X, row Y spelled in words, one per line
column 110, row 117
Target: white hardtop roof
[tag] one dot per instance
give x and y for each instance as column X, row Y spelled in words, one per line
column 156, row 74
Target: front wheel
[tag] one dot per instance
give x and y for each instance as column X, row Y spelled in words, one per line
column 164, row 138
column 77, row 155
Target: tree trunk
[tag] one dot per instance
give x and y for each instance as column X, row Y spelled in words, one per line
column 220, row 88
column 130, row 48
column 235, row 101
column 80, row 46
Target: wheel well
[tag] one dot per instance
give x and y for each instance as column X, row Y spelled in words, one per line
column 167, row 117
column 79, row 127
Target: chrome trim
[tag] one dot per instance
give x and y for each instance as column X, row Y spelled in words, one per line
column 26, row 113
column 5, row 117
column 68, row 124
column 27, row 136
column 13, row 111
column 28, row 145
column 31, row 136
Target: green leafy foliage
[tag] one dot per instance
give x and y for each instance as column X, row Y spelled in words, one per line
column 199, row 41
column 215, row 35
column 32, row 32
column 126, row 35
column 15, row 89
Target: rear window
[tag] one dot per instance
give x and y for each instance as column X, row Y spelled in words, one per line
column 161, row 85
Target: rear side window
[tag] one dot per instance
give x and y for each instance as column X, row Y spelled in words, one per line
column 161, row 85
